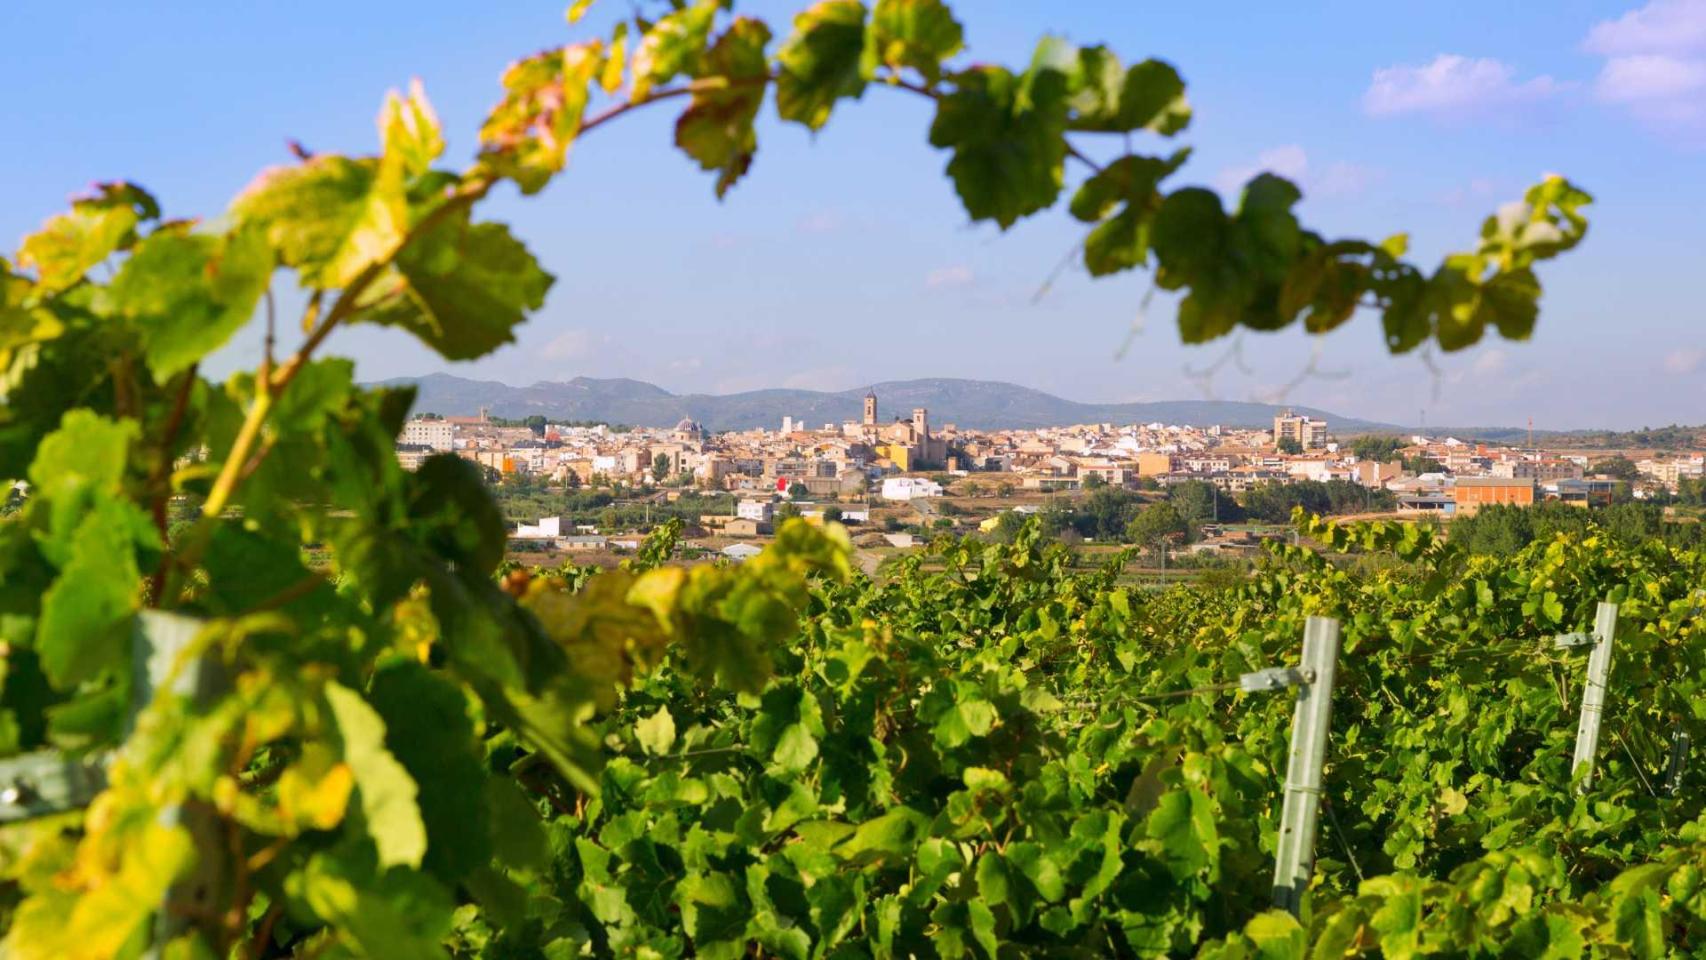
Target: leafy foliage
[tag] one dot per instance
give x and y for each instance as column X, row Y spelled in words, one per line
column 373, row 739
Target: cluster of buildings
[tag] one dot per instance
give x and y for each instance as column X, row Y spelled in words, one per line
column 865, row 459
column 833, row 461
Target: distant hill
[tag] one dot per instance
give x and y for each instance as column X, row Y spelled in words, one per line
column 974, row 404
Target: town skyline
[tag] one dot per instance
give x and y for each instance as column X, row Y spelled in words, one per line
column 451, row 394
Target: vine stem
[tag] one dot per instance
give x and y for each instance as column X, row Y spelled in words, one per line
column 158, row 479
column 243, row 458
column 932, row 93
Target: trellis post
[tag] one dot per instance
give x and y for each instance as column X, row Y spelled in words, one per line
column 1678, row 766
column 1294, row 858
column 160, row 653
column 1593, row 695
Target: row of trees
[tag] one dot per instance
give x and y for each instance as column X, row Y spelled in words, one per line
column 1110, row 514
column 1503, row 529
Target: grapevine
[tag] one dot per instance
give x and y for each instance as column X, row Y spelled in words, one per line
column 377, row 738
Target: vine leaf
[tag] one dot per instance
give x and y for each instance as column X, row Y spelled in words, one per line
column 427, row 729
column 95, row 228
column 822, row 61
column 86, row 614
column 527, row 136
column 656, row 733
column 409, row 132
column 106, row 911
column 1108, row 98
column 388, row 794
column 329, row 217
column 1132, row 183
column 716, row 129
column 674, row 45
column 190, row 292
column 912, row 33
column 460, row 287
column 89, row 534
column 1007, row 134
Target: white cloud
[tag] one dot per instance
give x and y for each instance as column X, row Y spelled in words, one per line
column 573, row 345
column 955, row 275
column 1684, row 360
column 1292, row 162
column 688, row 363
column 1675, row 26
column 1649, row 77
column 1655, row 64
column 1490, row 362
column 1452, row 85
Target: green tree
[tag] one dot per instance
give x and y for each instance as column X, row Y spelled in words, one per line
column 660, row 466
column 832, row 514
column 798, row 491
column 1289, row 445
column 1104, row 514
column 1421, row 463
column 1691, row 491
column 1095, row 481
column 536, row 423
column 1200, row 502
column 1377, row 447
column 1617, row 467
column 1155, row 523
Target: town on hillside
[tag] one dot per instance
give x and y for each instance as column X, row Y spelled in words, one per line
column 596, row 489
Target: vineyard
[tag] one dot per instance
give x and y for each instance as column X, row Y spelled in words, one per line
column 1002, row 756
column 267, row 694
column 1006, row 757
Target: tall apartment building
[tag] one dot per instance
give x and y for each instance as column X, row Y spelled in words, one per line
column 1544, row 471
column 1309, row 433
column 433, row 434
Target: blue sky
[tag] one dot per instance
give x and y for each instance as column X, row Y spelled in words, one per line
column 845, row 259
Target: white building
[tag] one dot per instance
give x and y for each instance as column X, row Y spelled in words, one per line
column 910, row 488
column 761, row 510
column 548, row 528
column 433, row 434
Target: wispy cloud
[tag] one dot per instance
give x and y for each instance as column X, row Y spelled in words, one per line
column 953, row 275
column 1684, row 361
column 819, row 221
column 1676, row 26
column 1655, row 64
column 1491, row 361
column 1291, row 161
column 1476, row 192
column 1452, row 85
column 820, row 378
column 577, row 344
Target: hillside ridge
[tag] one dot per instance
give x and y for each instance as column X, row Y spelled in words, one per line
column 972, row 404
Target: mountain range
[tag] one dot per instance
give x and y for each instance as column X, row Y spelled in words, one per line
column 972, row 404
